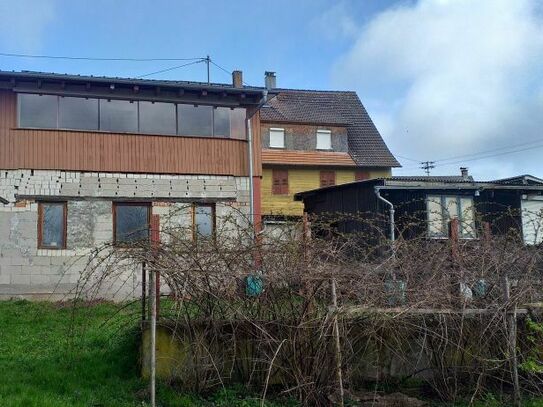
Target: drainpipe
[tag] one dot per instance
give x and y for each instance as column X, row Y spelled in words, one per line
column 250, row 154
column 3, row 201
column 392, row 226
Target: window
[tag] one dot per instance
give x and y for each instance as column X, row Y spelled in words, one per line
column 277, row 138
column 203, row 221
column 118, row 115
column 131, row 222
column 38, row 111
column 443, row 208
column 157, row 118
column 52, row 225
column 328, row 178
column 78, row 113
column 361, row 175
column 195, row 120
column 324, row 140
column 221, row 122
column 280, row 182
column 237, row 123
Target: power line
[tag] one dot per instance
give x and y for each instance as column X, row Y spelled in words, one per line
column 79, row 58
column 407, row 158
column 171, row 68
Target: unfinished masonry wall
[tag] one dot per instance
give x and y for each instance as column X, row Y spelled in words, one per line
column 30, row 272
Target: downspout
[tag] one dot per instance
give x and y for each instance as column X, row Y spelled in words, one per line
column 391, row 221
column 250, row 155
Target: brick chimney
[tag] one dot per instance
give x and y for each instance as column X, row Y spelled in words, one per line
column 464, row 172
column 270, row 80
column 237, row 79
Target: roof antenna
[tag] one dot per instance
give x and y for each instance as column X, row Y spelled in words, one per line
column 208, row 60
column 427, row 166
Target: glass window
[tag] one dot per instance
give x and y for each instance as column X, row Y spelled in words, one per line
column 78, row 113
column 157, row 118
column 195, row 120
column 324, row 140
column 38, row 111
column 277, row 138
column 118, row 115
column 52, row 225
column 131, row 222
column 442, row 209
column 204, row 220
column 237, row 123
column 221, row 122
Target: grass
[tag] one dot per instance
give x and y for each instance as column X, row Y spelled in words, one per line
column 53, row 355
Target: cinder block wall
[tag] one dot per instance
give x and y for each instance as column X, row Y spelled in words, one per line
column 29, row 272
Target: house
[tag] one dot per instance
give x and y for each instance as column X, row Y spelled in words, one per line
column 313, row 139
column 424, row 205
column 87, row 160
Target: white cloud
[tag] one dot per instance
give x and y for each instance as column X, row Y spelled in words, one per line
column 453, row 77
column 24, row 23
column 336, row 23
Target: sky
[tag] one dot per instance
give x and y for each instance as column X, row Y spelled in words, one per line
column 458, row 82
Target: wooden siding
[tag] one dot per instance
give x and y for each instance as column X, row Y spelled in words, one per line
column 303, row 179
column 116, row 152
column 310, row 158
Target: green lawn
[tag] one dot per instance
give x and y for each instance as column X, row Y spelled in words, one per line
column 51, row 355
column 54, row 355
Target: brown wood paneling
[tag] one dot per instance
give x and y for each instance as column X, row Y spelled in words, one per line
column 114, row 152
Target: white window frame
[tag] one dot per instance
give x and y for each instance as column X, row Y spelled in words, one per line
column 462, row 233
column 321, row 143
column 276, row 131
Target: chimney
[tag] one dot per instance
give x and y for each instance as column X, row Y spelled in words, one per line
column 270, row 80
column 237, row 79
column 464, row 172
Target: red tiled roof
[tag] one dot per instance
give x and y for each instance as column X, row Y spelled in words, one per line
column 316, row 158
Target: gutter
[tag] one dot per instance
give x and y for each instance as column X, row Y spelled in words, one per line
column 391, row 206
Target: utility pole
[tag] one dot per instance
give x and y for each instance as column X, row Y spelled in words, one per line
column 427, row 166
column 208, row 60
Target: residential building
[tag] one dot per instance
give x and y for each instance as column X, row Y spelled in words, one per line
column 424, row 206
column 312, row 139
column 86, row 160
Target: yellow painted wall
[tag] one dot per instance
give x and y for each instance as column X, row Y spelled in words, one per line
column 303, row 179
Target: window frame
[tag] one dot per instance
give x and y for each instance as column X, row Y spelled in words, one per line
column 459, row 215
column 213, row 207
column 328, row 172
column 324, row 132
column 277, row 129
column 116, row 204
column 64, row 225
column 283, row 189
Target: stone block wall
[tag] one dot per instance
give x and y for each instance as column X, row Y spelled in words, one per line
column 30, row 272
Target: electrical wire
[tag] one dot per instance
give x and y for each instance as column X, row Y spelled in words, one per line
column 170, row 68
column 4, row 54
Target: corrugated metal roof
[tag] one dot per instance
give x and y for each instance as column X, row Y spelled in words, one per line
column 294, row 157
column 343, row 108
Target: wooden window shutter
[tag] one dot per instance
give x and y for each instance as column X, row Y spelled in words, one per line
column 328, row 178
column 280, row 182
column 361, row 175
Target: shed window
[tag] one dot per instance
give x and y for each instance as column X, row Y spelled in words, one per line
column 78, row 113
column 157, row 118
column 324, row 140
column 118, row 115
column 39, row 111
column 221, row 122
column 327, row 178
column 442, row 209
column 204, row 221
column 131, row 222
column 277, row 138
column 280, row 182
column 237, row 123
column 52, row 225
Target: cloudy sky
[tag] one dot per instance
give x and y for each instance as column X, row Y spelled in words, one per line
column 459, row 82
